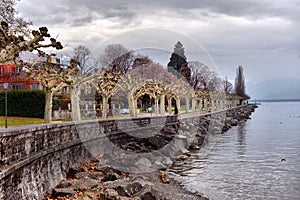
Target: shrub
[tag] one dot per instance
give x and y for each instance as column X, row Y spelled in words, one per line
column 23, row 103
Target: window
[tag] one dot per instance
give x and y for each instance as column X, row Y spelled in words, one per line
column 16, row 87
column 34, row 87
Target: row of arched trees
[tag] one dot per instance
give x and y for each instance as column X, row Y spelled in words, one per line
column 167, row 93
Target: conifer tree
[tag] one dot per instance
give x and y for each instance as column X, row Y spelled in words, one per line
column 239, row 87
column 178, row 63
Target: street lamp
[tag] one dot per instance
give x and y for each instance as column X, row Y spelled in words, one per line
column 5, row 85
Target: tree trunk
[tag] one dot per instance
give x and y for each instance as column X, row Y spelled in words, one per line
column 205, row 105
column 162, row 105
column 75, row 103
column 194, row 102
column 131, row 105
column 156, row 111
column 170, row 106
column 200, row 105
column 48, row 106
column 187, row 104
column 135, row 107
column 110, row 109
column 178, row 105
column 104, row 107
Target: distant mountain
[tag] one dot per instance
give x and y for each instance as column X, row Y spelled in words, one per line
column 274, row 89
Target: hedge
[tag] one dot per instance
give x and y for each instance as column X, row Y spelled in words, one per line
column 23, row 103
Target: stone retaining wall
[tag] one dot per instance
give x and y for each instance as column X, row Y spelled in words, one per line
column 34, row 158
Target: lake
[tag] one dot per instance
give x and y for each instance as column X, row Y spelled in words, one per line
column 258, row 159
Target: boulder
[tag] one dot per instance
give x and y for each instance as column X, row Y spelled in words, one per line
column 128, row 189
column 73, row 171
column 85, row 184
column 64, row 184
column 182, row 157
column 81, row 175
column 109, row 194
column 62, row 192
column 110, row 177
column 155, row 142
column 147, row 193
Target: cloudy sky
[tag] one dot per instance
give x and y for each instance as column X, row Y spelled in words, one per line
column 261, row 35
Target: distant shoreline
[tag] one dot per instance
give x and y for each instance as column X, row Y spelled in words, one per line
column 275, row 100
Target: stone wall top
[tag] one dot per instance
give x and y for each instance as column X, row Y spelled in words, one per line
column 17, row 143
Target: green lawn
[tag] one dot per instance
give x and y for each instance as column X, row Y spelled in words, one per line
column 18, row 121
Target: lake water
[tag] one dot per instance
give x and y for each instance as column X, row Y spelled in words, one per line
column 247, row 161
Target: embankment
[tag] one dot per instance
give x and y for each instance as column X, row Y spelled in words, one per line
column 36, row 158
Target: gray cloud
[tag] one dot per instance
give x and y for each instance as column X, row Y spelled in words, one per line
column 117, row 8
column 263, row 35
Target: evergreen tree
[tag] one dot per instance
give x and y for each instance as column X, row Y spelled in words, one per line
column 186, row 72
column 240, row 82
column 178, row 64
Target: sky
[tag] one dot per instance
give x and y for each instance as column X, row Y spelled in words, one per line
column 261, row 35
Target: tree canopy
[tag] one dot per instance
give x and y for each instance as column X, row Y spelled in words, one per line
column 178, row 63
column 116, row 57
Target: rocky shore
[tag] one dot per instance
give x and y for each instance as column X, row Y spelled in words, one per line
column 92, row 180
column 96, row 180
column 229, row 119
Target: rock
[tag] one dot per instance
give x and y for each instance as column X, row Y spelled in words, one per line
column 167, row 161
column 182, row 157
column 89, row 195
column 64, row 184
column 62, row 192
column 146, row 194
column 234, row 122
column 73, row 171
column 188, row 154
column 85, row 184
column 155, row 142
column 129, row 189
column 134, row 188
column 87, row 198
column 81, row 175
column 109, row 194
column 143, row 164
column 164, row 177
column 194, row 147
column 110, row 177
column 108, row 169
column 132, row 146
column 159, row 165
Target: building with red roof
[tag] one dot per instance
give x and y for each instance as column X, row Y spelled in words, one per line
column 17, row 80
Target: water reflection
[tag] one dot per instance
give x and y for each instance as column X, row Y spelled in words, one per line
column 241, row 139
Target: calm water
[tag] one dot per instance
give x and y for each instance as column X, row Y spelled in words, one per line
column 246, row 162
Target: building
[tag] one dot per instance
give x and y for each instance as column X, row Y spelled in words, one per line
column 17, row 80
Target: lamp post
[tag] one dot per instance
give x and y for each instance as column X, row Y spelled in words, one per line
column 5, row 85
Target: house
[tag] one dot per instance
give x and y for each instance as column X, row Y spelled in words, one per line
column 16, row 79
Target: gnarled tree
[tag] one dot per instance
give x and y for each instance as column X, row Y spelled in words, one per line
column 107, row 87
column 48, row 74
column 13, row 44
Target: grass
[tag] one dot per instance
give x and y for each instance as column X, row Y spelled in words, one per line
column 19, row 121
